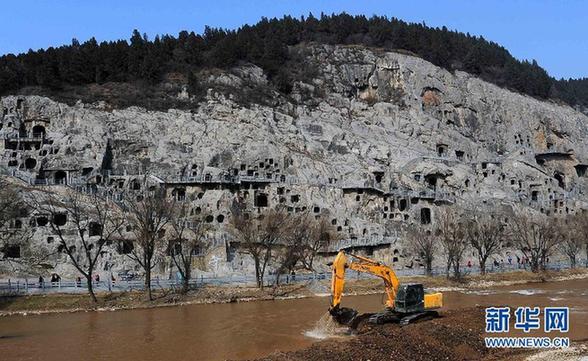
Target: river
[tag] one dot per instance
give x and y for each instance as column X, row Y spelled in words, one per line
column 237, row 330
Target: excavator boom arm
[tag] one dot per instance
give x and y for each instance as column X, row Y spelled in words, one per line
column 366, row 265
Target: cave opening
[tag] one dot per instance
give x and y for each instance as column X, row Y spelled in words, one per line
column 60, row 177
column 39, row 131
column 378, row 176
column 125, row 247
column 581, row 170
column 30, row 163
column 560, row 179
column 442, row 150
column 60, row 219
column 179, row 194
column 11, row 251
column 431, row 180
column 402, row 204
column 94, row 229
column 261, row 200
column 425, row 216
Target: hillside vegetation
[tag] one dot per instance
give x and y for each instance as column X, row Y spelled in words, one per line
column 143, row 61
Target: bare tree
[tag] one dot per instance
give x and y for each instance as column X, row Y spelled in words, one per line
column 15, row 235
column 9, row 200
column 424, row 243
column 316, row 234
column 304, row 236
column 288, row 253
column 16, row 249
column 573, row 237
column 485, row 233
column 535, row 236
column 259, row 235
column 93, row 219
column 12, row 205
column 150, row 212
column 582, row 225
column 187, row 235
column 582, row 219
column 451, row 231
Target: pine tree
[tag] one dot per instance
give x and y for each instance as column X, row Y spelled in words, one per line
column 266, row 44
column 136, row 54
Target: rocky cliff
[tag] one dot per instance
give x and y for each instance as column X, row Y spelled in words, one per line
column 372, row 140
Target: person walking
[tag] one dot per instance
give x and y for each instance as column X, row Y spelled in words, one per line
column 55, row 278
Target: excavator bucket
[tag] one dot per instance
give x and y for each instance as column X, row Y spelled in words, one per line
column 343, row 315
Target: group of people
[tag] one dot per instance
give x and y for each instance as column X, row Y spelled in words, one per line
column 521, row 262
column 56, row 279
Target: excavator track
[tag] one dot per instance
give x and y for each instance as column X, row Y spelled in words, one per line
column 353, row 320
column 401, row 318
column 419, row 316
column 384, row 317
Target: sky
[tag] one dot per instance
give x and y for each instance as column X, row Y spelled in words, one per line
column 552, row 32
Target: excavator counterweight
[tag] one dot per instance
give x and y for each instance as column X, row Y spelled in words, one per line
column 405, row 303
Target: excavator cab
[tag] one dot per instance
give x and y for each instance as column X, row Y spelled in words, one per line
column 410, row 298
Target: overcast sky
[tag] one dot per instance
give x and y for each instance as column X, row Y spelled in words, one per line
column 552, row 32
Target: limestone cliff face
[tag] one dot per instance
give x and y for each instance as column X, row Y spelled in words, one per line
column 373, row 141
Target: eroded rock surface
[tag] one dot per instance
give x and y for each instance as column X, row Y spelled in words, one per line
column 373, row 141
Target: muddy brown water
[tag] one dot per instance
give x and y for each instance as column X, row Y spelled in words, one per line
column 234, row 331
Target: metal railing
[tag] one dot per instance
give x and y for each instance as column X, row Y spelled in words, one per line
column 30, row 286
column 555, row 149
column 32, row 179
column 223, row 178
column 35, row 137
column 361, row 242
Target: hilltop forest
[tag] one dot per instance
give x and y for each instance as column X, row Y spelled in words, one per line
column 266, row 45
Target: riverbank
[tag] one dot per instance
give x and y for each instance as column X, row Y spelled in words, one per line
column 250, row 330
column 443, row 338
column 54, row 303
column 458, row 335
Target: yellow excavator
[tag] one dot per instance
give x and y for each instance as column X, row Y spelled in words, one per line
column 405, row 303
